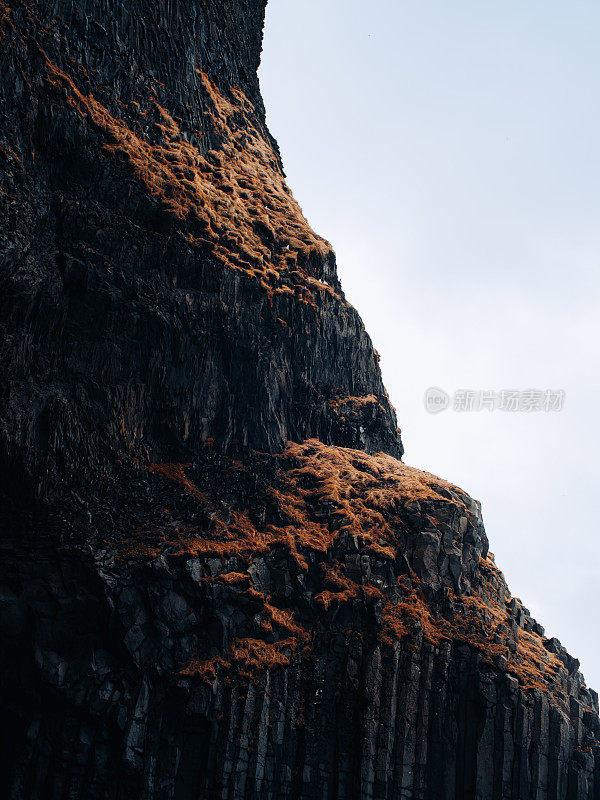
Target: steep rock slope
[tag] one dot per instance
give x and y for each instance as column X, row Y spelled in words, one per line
column 161, row 285
column 217, row 579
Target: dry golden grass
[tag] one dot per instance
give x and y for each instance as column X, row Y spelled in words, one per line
column 203, row 669
column 282, row 636
column 176, row 472
column 234, row 579
column 236, row 196
column 354, row 402
column 255, row 655
column 364, row 495
column 339, row 589
column 478, row 620
column 5, row 22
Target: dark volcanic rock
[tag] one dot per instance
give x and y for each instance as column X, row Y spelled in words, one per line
column 217, row 580
column 160, row 285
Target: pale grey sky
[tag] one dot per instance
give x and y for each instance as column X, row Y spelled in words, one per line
column 449, row 152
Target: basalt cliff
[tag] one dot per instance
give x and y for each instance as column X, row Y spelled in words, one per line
column 217, row 577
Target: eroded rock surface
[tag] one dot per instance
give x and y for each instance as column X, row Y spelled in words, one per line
column 217, row 578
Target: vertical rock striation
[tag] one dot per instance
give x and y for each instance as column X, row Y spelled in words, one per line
column 217, row 579
column 161, row 286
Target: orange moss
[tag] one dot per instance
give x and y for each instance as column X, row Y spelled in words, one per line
column 9, row 154
column 479, row 619
column 176, row 472
column 355, row 403
column 409, row 616
column 532, row 664
column 251, row 656
column 205, row 670
column 236, row 196
column 247, row 657
column 5, row 21
column 381, row 553
column 338, row 588
column 283, row 619
column 223, row 541
column 363, row 494
column 151, row 541
column 363, row 497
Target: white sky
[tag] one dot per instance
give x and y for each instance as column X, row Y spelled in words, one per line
column 449, row 152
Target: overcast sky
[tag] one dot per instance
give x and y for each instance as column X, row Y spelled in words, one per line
column 449, row 152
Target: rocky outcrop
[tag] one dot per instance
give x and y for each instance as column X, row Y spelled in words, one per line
column 217, row 578
column 160, row 284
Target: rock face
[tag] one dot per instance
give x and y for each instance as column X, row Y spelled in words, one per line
column 217, row 578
